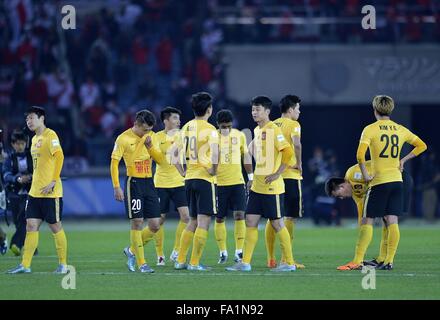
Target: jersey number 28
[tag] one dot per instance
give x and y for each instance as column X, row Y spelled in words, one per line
column 394, row 152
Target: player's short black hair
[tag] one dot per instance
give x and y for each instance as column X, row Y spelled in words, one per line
column 224, row 116
column 39, row 111
column 288, row 101
column 166, row 113
column 18, row 135
column 145, row 116
column 331, row 184
column 200, row 102
column 262, row 101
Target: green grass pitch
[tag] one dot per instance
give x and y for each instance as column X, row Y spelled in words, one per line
column 95, row 250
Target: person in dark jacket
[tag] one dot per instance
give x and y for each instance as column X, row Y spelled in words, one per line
column 17, row 175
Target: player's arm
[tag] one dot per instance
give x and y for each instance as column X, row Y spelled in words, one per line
column 215, row 152
column 117, row 153
column 114, row 172
column 286, row 156
column 215, row 158
column 286, row 150
column 297, row 146
column 155, row 153
column 59, row 160
column 419, row 147
column 247, row 160
column 177, row 159
column 58, row 155
column 177, row 155
column 364, row 144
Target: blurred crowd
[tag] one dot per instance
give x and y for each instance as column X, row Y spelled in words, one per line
column 93, row 79
column 287, row 21
column 126, row 54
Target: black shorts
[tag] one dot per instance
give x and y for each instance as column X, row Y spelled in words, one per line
column 200, row 195
column 141, row 199
column 384, row 199
column 46, row 209
column 230, row 198
column 293, row 201
column 177, row 195
column 270, row 206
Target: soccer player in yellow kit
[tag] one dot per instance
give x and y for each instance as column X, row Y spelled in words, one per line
column 272, row 155
column 353, row 186
column 293, row 202
column 384, row 198
column 231, row 191
column 45, row 202
column 136, row 147
column 169, row 182
column 200, row 145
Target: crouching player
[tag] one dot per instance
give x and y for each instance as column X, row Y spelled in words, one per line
column 353, row 186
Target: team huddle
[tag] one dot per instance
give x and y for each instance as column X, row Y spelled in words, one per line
column 199, row 168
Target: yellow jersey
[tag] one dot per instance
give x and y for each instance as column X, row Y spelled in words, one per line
column 43, row 149
column 385, row 139
column 166, row 175
column 290, row 129
column 197, row 137
column 232, row 149
column 267, row 145
column 131, row 148
column 358, row 185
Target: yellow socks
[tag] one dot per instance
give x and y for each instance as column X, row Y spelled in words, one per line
column 180, row 227
column 393, row 242
column 239, row 234
column 286, row 246
column 220, row 235
column 200, row 237
column 270, row 235
column 30, row 244
column 249, row 244
column 383, row 245
column 364, row 239
column 290, row 225
column 61, row 246
column 137, row 246
column 185, row 243
column 159, row 239
column 147, row 235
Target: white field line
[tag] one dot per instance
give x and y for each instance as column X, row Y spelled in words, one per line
column 241, row 274
column 216, row 273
